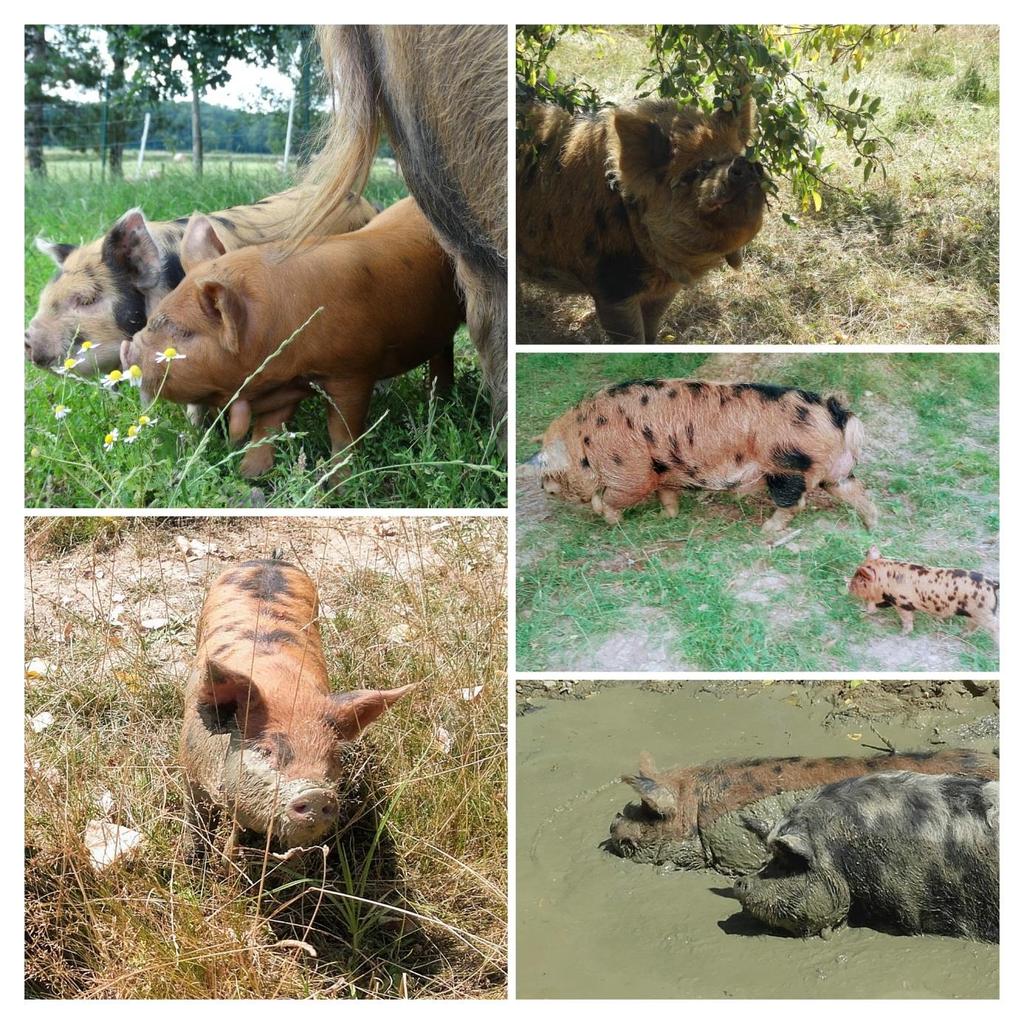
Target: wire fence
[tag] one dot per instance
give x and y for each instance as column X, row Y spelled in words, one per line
column 233, row 141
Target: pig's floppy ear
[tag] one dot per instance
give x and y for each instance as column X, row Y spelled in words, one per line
column 222, row 302
column 639, row 147
column 793, row 844
column 866, row 573
column 130, row 247
column 654, row 795
column 350, row 713
column 227, row 690
column 873, row 552
column 200, row 242
column 742, row 121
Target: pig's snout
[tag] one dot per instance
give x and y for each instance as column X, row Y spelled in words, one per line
column 742, row 887
column 314, row 809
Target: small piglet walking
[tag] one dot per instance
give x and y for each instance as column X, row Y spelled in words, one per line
column 262, row 733
column 908, row 587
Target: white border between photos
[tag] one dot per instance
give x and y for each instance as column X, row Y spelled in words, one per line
column 542, row 1011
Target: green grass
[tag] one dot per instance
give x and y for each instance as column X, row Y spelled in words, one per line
column 927, row 272
column 703, row 592
column 418, row 451
column 411, row 896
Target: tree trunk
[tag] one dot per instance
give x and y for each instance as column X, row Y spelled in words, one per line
column 197, row 131
column 117, row 127
column 302, row 145
column 35, row 68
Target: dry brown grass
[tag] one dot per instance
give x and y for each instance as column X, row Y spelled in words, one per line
column 411, row 899
column 908, row 259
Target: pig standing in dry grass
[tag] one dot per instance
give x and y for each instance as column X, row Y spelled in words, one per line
column 262, row 733
column 647, row 437
column 631, row 203
column 712, row 815
column 909, row 587
column 439, row 91
column 389, row 304
column 104, row 291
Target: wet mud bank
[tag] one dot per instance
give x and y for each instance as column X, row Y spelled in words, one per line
column 591, row 925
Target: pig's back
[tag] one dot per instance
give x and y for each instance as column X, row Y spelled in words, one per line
column 260, row 619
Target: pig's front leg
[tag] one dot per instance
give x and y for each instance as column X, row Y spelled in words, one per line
column 622, row 321
column 260, row 458
column 347, row 404
column 906, row 619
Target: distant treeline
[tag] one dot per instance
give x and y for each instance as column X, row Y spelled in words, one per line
column 78, row 127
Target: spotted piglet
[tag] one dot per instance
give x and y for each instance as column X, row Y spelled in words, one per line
column 909, row 587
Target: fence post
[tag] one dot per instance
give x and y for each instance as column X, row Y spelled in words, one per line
column 288, row 133
column 142, row 145
column 103, row 130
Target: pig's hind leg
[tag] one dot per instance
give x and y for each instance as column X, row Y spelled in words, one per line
column 789, row 493
column 441, row 371
column 669, row 502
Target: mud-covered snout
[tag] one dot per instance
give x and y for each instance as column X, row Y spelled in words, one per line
column 742, row 172
column 624, row 836
column 310, row 813
column 743, row 886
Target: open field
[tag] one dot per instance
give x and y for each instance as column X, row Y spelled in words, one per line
column 704, row 591
column 909, row 258
column 409, row 897
column 418, row 451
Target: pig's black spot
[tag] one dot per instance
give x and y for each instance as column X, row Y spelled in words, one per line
column 739, row 457
column 672, row 392
column 172, row 273
column 644, row 399
column 648, row 434
column 777, row 769
column 601, row 421
column 689, row 434
column 908, row 606
column 791, row 458
column 616, row 458
column 962, row 610
column 695, row 386
column 224, row 222
column 883, row 604
column 977, row 577
column 586, row 441
column 839, row 415
column 585, row 462
column 802, row 412
column 267, row 639
column 888, row 597
column 265, row 581
column 785, row 489
column 959, row 573
column 658, row 466
column 629, row 423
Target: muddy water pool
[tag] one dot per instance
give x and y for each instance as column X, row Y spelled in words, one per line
column 590, row 925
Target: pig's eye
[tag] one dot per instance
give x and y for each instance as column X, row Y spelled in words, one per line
column 85, row 300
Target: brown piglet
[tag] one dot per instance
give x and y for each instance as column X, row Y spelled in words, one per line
column 389, row 303
column 263, row 734
column 908, row 587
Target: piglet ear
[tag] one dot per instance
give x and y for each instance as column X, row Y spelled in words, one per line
column 654, row 796
column 351, row 713
column 221, row 302
column 639, row 147
column 227, row 690
column 741, row 121
column 130, row 247
column 200, row 242
column 873, row 552
column 57, row 251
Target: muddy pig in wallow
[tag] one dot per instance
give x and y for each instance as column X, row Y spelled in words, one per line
column 630, row 203
column 712, row 815
column 908, row 587
column 645, row 437
column 389, row 304
column 903, row 852
column 263, row 734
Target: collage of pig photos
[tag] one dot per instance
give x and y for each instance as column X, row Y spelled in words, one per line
column 511, row 512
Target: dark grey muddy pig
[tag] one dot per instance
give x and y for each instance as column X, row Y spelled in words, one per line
column 263, row 735
column 702, row 816
column 904, row 852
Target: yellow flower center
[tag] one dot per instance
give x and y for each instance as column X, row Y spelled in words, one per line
column 135, row 372
column 70, row 364
column 133, row 430
column 115, row 375
column 170, row 353
column 143, row 421
column 109, row 439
